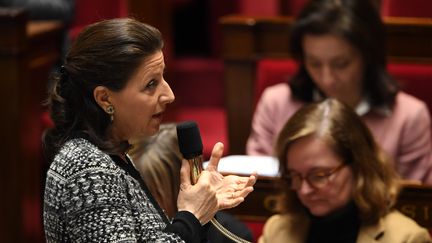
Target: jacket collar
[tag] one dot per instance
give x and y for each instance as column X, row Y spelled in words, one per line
column 362, row 108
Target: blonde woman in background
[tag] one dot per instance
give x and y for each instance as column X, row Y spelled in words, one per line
column 338, row 187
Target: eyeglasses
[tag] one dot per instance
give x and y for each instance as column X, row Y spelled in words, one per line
column 316, row 179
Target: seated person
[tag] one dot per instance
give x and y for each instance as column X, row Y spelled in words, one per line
column 340, row 47
column 337, row 184
column 159, row 160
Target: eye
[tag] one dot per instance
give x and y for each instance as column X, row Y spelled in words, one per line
column 318, row 177
column 341, row 64
column 313, row 64
column 152, row 84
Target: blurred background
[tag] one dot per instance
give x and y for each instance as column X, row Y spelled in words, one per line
column 34, row 36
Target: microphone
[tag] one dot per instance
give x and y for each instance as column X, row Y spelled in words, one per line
column 191, row 147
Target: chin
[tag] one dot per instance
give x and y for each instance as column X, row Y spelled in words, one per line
column 154, row 130
column 319, row 211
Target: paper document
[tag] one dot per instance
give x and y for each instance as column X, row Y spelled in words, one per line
column 244, row 164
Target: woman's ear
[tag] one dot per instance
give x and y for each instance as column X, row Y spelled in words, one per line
column 102, row 97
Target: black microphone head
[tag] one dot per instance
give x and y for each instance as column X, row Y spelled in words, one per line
column 189, row 139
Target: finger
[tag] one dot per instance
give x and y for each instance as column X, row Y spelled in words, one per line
column 185, row 174
column 230, row 203
column 216, row 155
column 252, row 180
column 243, row 182
column 244, row 192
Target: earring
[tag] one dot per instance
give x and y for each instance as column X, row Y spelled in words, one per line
column 110, row 111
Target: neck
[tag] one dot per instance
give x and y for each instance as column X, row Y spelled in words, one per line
column 340, row 226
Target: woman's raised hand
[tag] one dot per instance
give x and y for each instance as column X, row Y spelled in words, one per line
column 213, row 191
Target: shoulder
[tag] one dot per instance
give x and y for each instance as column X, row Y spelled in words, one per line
column 408, row 104
column 398, row 226
column 281, row 227
column 277, row 90
column 412, row 112
column 278, row 221
column 396, row 219
column 79, row 155
column 279, row 96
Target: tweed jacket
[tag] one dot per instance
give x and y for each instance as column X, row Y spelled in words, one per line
column 89, row 198
column 404, row 133
column 393, row 228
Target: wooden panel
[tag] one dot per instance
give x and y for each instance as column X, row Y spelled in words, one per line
column 239, row 96
column 28, row 51
column 248, row 39
column 409, row 39
column 416, row 202
column 261, row 203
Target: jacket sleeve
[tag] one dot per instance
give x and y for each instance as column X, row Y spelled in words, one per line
column 99, row 210
column 415, row 158
column 187, row 226
column 261, row 139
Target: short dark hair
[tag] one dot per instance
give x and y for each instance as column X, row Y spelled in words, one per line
column 106, row 53
column 375, row 182
column 359, row 23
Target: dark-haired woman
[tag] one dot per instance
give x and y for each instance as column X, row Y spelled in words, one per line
column 340, row 47
column 112, row 91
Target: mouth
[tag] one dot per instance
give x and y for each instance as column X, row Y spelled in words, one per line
column 158, row 115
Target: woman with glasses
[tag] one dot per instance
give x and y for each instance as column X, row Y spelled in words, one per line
column 337, row 185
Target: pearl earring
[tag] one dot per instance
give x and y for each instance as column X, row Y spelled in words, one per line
column 110, row 111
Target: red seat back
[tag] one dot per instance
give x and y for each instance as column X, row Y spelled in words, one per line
column 88, row 12
column 405, row 8
column 415, row 79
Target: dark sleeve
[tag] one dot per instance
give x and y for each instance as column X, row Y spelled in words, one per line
column 232, row 224
column 187, row 226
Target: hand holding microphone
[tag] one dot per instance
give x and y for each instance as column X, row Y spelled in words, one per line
column 204, row 192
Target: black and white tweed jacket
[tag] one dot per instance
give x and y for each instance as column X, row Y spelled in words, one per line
column 89, row 198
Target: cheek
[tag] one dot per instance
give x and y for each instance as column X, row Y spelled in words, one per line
column 343, row 193
column 313, row 73
column 354, row 76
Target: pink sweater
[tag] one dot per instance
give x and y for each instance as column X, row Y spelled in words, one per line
column 405, row 134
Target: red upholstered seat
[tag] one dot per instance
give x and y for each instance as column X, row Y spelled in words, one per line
column 256, row 228
column 212, row 124
column 198, row 86
column 415, row 79
column 88, row 12
column 272, row 71
column 258, row 7
column 405, row 8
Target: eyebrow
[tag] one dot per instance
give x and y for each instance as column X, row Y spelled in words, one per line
column 313, row 169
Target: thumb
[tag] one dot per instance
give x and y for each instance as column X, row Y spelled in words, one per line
column 216, row 155
column 185, row 180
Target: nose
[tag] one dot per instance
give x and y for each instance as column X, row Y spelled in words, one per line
column 167, row 95
column 327, row 76
column 305, row 188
